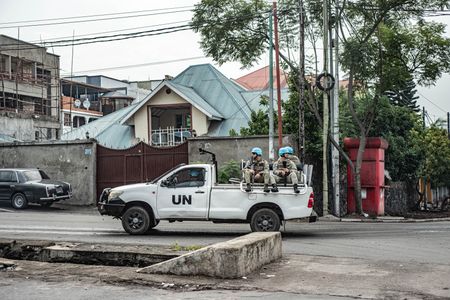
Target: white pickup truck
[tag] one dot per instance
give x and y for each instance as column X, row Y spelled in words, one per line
column 191, row 192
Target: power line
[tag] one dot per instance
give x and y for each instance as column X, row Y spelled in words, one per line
column 91, row 16
column 93, row 40
column 97, row 20
column 139, row 65
column 103, row 32
column 432, row 102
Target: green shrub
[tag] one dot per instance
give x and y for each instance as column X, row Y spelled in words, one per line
column 230, row 169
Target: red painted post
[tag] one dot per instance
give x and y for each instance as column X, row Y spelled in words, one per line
column 372, row 175
column 277, row 62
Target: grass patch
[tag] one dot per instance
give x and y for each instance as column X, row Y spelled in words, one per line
column 178, row 247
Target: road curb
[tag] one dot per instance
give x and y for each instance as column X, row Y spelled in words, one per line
column 400, row 220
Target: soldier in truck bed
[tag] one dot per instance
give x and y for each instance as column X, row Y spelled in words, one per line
column 258, row 169
column 285, row 170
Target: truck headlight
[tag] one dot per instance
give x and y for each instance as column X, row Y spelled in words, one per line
column 114, row 194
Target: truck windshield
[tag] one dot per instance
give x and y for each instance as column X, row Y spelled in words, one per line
column 165, row 173
column 32, row 175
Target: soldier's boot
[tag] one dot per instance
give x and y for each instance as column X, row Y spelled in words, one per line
column 266, row 188
column 248, row 188
column 274, row 188
column 296, row 190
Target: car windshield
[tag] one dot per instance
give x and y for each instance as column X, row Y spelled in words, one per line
column 165, row 173
column 32, row 175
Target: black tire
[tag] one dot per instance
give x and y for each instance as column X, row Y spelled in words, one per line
column 19, row 201
column 46, row 204
column 154, row 223
column 136, row 220
column 265, row 219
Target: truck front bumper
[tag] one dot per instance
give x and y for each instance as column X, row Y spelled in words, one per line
column 110, row 207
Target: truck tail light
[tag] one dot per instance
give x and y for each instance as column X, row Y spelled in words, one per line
column 311, row 200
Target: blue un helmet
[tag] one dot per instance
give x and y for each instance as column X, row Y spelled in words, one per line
column 289, row 150
column 282, row 152
column 257, row 151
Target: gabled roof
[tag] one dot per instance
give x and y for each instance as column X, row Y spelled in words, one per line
column 184, row 92
column 220, row 92
column 106, row 130
column 259, row 79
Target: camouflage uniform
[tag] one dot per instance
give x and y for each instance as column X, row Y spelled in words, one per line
column 296, row 161
column 290, row 165
column 260, row 167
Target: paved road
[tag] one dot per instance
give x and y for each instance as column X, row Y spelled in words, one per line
column 404, row 242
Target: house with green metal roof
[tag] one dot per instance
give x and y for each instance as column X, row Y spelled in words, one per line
column 198, row 101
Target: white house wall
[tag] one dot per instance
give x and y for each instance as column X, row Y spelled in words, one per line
column 199, row 120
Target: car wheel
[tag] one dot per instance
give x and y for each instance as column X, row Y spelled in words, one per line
column 46, row 203
column 19, row 201
column 265, row 219
column 136, row 220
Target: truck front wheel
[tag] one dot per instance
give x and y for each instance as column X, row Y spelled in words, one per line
column 136, row 220
column 265, row 219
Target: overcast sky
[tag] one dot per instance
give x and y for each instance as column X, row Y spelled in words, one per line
column 167, row 54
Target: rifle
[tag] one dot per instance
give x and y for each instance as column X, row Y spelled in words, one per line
column 285, row 174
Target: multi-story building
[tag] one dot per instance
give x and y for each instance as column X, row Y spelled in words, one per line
column 29, row 91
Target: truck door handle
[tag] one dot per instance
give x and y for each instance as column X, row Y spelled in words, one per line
column 12, row 186
column 199, row 192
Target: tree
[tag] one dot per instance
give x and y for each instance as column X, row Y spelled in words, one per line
column 235, row 30
column 364, row 60
column 437, row 156
column 259, row 120
column 405, row 97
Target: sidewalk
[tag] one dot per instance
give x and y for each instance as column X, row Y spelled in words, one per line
column 381, row 219
column 299, row 274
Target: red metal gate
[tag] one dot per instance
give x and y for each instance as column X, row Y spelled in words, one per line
column 139, row 163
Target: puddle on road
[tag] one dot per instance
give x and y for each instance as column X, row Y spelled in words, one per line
column 88, row 254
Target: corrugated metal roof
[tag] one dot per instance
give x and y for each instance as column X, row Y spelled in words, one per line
column 220, row 92
column 106, row 130
column 226, row 103
column 198, row 101
column 253, row 97
column 259, row 79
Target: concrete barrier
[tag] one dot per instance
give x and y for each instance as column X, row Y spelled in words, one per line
column 231, row 259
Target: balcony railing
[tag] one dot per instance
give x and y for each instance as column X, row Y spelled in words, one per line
column 170, row 136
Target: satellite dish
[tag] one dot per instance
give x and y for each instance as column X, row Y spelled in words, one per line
column 77, row 103
column 86, row 104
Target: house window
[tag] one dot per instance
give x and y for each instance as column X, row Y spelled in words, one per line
column 66, row 119
column 49, row 133
column 36, row 135
column 78, row 121
column 183, row 121
column 178, row 121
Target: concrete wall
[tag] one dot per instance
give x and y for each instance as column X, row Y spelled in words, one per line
column 236, row 148
column 73, row 162
column 400, row 198
column 23, row 126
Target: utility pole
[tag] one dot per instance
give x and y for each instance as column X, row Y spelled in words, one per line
column 277, row 62
column 335, row 116
column 448, row 125
column 271, row 151
column 423, row 116
column 325, row 110
column 301, row 75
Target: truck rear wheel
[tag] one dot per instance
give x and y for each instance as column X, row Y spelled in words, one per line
column 136, row 220
column 265, row 219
